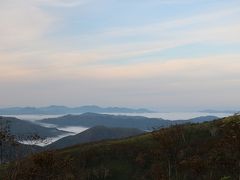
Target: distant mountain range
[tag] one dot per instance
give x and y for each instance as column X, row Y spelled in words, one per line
column 219, row 111
column 139, row 122
column 58, row 110
column 23, row 129
column 94, row 134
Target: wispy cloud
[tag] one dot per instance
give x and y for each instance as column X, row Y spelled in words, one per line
column 163, row 27
column 64, row 3
column 204, row 28
column 117, row 52
column 191, row 68
column 22, row 23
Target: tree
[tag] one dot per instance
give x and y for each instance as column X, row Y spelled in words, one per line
column 170, row 141
column 10, row 145
column 230, row 144
column 6, row 139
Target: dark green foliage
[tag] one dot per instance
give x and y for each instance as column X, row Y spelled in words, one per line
column 43, row 166
column 207, row 151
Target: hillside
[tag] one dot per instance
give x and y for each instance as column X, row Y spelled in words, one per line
column 23, row 129
column 208, row 150
column 139, row 122
column 94, row 134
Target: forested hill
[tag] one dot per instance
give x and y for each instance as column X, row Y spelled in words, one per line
column 23, row 129
column 94, row 134
column 194, row 151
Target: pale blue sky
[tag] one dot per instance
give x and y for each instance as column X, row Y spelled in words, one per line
column 161, row 54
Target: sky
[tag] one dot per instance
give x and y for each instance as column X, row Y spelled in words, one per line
column 158, row 54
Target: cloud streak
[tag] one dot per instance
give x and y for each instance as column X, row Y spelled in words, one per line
column 200, row 68
column 22, row 23
column 64, row 3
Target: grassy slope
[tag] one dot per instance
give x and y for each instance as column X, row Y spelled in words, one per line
column 201, row 151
